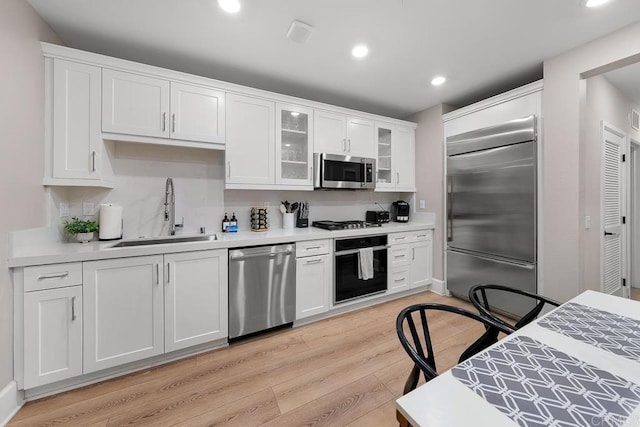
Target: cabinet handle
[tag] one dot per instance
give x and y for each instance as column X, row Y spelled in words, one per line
column 157, row 274
column 401, row 238
column 93, row 161
column 349, row 142
column 314, row 261
column 413, row 255
column 229, row 169
column 344, row 144
column 73, row 308
column 397, row 177
column 53, row 276
column 173, row 122
column 164, row 121
column 399, row 280
column 313, row 247
column 168, row 273
column 421, row 235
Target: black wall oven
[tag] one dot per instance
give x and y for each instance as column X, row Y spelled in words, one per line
column 347, row 284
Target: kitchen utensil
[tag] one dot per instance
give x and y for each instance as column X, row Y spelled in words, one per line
column 294, row 206
column 283, row 210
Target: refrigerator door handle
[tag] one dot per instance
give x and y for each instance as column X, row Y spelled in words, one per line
column 449, row 208
column 514, row 263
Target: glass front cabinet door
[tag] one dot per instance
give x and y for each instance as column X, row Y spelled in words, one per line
column 294, row 150
column 384, row 141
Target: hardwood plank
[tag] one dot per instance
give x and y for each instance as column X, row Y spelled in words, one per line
column 340, row 407
column 383, row 416
column 253, row 410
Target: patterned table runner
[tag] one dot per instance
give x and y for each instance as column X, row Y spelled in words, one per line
column 537, row 385
column 618, row 334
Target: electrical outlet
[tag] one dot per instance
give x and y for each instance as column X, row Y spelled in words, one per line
column 87, row 209
column 423, row 204
column 587, row 222
column 64, row 209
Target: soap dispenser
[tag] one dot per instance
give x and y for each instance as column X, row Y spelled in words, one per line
column 225, row 223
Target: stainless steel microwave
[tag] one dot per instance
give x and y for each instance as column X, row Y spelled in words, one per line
column 332, row 171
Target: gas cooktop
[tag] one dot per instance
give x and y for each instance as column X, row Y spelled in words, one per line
column 344, row 225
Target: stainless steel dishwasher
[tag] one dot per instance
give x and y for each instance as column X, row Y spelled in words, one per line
column 262, row 288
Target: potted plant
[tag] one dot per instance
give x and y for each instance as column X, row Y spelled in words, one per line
column 82, row 229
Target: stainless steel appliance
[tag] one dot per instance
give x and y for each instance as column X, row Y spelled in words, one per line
column 262, row 288
column 491, row 209
column 344, row 225
column 347, row 284
column 331, row 171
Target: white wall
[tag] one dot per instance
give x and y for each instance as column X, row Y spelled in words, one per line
column 564, row 204
column 430, row 174
column 602, row 101
column 21, row 164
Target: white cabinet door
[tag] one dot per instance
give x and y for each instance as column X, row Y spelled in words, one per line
column 250, row 148
column 384, row 134
column 294, row 145
column 404, row 164
column 197, row 113
column 52, row 335
column 421, row 263
column 123, row 311
column 76, row 120
column 329, row 133
column 195, row 298
column 313, row 284
column 360, row 137
column 399, row 279
column 134, row 104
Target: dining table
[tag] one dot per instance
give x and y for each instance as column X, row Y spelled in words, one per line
column 577, row 365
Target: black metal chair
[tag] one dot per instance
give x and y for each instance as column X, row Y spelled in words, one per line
column 420, row 349
column 480, row 300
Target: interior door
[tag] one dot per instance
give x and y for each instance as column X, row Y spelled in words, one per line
column 613, row 248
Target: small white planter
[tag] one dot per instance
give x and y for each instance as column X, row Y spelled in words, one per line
column 84, row 237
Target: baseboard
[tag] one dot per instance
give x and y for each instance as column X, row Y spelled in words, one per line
column 10, row 403
column 439, row 287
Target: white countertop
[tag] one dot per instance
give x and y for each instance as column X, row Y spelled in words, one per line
column 36, row 251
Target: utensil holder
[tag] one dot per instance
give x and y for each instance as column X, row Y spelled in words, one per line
column 288, row 220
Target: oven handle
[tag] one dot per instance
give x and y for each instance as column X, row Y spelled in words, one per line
column 355, row 251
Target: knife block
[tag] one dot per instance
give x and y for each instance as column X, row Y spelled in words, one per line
column 302, row 222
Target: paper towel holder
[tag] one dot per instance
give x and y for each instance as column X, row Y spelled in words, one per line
column 111, row 222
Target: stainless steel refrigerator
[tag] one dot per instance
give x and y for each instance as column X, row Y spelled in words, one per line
column 491, row 210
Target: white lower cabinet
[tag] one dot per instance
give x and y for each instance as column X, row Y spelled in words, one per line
column 410, row 260
column 52, row 335
column 314, row 277
column 195, row 298
column 124, row 311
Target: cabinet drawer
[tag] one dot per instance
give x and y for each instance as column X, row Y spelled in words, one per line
column 410, row 237
column 312, row 247
column 52, row 276
column 400, row 255
column 399, row 279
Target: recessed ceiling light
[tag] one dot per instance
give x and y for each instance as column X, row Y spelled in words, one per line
column 230, row 6
column 295, row 113
column 439, row 80
column 594, row 3
column 360, row 51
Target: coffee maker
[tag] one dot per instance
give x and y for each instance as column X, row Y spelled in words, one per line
column 400, row 211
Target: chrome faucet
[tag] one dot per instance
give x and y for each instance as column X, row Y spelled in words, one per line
column 170, row 207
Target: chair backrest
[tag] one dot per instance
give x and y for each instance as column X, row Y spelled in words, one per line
column 418, row 343
column 479, row 295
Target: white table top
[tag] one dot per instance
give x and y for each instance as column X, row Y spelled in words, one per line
column 445, row 401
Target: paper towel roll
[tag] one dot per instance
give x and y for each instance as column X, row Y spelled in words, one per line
column 110, row 221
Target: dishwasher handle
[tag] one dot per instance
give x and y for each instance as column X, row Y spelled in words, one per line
column 261, row 255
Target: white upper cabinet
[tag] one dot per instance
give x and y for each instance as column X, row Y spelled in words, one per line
column 337, row 133
column 134, row 104
column 148, row 107
column 294, row 145
column 75, row 153
column 250, row 148
column 197, row 113
column 395, row 152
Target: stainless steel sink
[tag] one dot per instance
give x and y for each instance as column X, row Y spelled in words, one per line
column 164, row 240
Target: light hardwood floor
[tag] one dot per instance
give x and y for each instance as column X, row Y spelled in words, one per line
column 343, row 371
column 635, row 294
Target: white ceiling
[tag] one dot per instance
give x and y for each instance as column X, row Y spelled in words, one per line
column 482, row 46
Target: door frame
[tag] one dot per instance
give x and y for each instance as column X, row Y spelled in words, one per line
column 633, row 174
